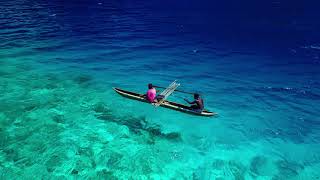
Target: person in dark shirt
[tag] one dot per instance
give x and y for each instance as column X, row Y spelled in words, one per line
column 197, row 104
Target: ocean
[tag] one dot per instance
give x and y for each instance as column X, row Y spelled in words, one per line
column 256, row 64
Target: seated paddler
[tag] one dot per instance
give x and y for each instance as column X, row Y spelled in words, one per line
column 151, row 94
column 197, row 104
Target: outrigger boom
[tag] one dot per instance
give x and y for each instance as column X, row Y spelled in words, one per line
column 167, row 92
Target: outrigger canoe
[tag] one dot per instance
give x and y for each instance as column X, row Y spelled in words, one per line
column 166, row 104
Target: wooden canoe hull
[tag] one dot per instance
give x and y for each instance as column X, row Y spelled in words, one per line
column 166, row 104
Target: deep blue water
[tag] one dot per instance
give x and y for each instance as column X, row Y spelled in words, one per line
column 256, row 63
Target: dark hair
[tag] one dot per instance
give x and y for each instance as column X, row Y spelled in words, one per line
column 196, row 95
column 150, row 86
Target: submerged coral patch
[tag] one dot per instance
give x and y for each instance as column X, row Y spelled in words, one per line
column 287, row 169
column 136, row 125
column 82, row 79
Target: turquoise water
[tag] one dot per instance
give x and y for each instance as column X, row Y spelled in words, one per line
column 60, row 118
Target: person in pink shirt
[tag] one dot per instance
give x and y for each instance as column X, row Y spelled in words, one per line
column 151, row 94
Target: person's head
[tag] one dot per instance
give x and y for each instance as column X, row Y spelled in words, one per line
column 150, row 86
column 196, row 96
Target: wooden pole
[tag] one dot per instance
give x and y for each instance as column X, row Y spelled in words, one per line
column 174, row 90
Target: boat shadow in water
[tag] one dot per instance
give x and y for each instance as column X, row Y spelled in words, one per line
column 136, row 125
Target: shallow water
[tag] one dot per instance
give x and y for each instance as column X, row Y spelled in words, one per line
column 60, row 118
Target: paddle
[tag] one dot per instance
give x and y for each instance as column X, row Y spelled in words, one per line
column 174, row 90
column 179, row 97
